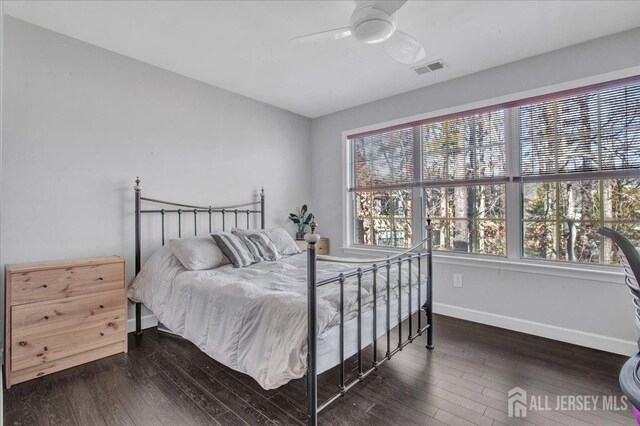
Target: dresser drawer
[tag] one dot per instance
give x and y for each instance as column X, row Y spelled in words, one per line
column 35, row 286
column 48, row 331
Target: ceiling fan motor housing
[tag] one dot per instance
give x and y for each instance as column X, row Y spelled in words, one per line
column 370, row 25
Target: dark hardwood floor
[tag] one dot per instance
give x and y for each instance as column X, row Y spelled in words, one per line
column 167, row 381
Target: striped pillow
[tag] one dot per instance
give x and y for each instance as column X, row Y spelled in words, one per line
column 261, row 247
column 234, row 249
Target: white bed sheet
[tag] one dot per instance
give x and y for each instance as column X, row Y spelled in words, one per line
column 254, row 319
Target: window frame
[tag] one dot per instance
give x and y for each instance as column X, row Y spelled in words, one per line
column 513, row 188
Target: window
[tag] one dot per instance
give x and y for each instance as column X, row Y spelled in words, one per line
column 574, row 158
column 457, row 155
column 383, row 175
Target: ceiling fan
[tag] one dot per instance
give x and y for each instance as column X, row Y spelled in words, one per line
column 374, row 22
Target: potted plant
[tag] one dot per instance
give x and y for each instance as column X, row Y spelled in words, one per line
column 301, row 221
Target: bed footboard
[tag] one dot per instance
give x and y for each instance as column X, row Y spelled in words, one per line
column 408, row 257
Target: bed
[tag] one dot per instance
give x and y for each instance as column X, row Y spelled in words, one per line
column 255, row 319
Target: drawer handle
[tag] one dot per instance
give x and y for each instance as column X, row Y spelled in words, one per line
column 101, row 306
column 46, row 317
column 23, row 343
column 44, row 286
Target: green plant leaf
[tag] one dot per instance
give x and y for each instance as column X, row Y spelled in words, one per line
column 296, row 220
column 304, row 209
column 308, row 219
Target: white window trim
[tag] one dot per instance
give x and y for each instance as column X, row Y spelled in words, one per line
column 609, row 274
column 514, row 258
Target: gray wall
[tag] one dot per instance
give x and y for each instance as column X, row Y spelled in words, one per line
column 81, row 122
column 584, row 307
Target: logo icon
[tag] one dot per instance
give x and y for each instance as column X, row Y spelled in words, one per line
column 517, row 402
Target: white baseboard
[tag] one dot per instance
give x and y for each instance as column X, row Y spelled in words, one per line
column 576, row 337
column 148, row 321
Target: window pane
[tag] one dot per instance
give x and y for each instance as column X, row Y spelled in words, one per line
column 362, row 221
column 477, row 236
column 620, row 107
column 490, row 237
column 392, row 233
column 539, row 200
column 439, row 235
column 631, row 230
column 469, row 147
column 577, row 115
column 579, row 242
column 577, row 152
column 540, row 240
column 476, row 202
column 462, row 214
column 537, row 139
column 395, row 203
column 579, row 200
column 487, row 201
column 621, row 148
column 578, row 217
column 383, row 218
column 435, row 204
column 363, row 231
column 458, row 202
column 390, row 171
column 435, row 167
column 384, row 159
column 621, row 199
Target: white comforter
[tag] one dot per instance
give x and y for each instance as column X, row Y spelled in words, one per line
column 253, row 319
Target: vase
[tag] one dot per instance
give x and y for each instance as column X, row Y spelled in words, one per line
column 300, row 235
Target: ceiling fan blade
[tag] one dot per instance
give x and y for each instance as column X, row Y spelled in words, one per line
column 403, row 48
column 389, row 6
column 336, row 34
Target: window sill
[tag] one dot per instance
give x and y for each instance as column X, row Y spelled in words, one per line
column 598, row 273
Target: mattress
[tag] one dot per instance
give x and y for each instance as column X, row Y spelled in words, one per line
column 328, row 346
column 254, row 319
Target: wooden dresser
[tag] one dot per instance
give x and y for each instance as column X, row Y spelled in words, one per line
column 321, row 248
column 62, row 314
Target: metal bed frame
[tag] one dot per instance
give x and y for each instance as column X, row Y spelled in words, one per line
column 407, row 257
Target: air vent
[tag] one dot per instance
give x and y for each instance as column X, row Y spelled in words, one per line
column 422, row 69
column 433, row 66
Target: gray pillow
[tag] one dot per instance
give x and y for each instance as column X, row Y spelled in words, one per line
column 281, row 238
column 234, row 248
column 261, row 247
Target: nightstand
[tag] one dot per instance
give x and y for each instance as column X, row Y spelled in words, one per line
column 322, row 247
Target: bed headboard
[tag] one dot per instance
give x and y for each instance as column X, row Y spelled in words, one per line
column 227, row 213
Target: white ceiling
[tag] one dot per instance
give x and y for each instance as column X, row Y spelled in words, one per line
column 243, row 46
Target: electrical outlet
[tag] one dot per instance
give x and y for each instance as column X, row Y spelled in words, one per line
column 457, row 280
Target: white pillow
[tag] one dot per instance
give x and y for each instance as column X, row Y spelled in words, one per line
column 197, row 253
column 281, row 238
